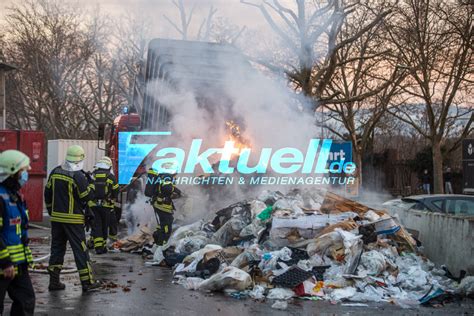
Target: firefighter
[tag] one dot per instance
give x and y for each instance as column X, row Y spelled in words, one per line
column 67, row 195
column 163, row 205
column 15, row 255
column 105, row 193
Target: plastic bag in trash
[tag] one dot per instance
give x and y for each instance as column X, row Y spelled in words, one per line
column 230, row 278
column 280, row 294
column 414, row 279
column 191, row 283
column 191, row 244
column 252, row 253
column 198, row 255
column 281, row 305
column 294, row 205
column 371, row 216
column 270, row 197
column 466, row 287
column 240, row 209
column 253, row 229
column 305, row 265
column 370, row 294
column 270, row 259
column 184, row 231
column 322, row 243
column 411, row 275
column 265, row 214
column 372, row 262
column 258, row 292
column 317, row 260
column 158, row 255
column 256, row 207
column 230, row 230
column 342, row 294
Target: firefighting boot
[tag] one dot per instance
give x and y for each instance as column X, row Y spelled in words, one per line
column 54, row 281
column 88, row 286
column 101, row 250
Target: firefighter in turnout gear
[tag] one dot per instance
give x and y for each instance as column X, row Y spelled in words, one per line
column 15, row 255
column 105, row 193
column 164, row 191
column 67, row 195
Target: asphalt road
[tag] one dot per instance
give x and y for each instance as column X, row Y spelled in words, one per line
column 140, row 290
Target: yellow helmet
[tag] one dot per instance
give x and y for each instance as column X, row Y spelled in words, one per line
column 75, row 153
column 12, row 161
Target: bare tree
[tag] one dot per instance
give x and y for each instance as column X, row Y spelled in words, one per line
column 434, row 39
column 312, row 33
column 185, row 19
column 210, row 30
column 364, row 82
column 68, row 79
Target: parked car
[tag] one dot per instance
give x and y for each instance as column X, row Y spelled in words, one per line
column 455, row 204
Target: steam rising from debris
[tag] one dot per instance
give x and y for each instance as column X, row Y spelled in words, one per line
column 268, row 113
column 139, row 214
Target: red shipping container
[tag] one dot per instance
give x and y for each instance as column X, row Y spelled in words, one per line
column 32, row 143
column 8, row 140
column 33, row 193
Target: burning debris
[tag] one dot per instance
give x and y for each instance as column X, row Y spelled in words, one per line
column 233, row 130
column 306, row 244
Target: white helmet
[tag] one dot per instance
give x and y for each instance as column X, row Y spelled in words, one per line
column 169, row 168
column 104, row 163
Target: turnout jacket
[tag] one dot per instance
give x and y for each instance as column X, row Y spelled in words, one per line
column 105, row 181
column 166, row 191
column 14, row 248
column 66, row 195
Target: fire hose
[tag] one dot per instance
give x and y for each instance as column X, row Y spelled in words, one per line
column 43, row 258
column 45, row 271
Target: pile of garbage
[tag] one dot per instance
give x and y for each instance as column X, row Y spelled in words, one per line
column 312, row 245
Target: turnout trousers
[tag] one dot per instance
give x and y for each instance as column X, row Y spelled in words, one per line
column 164, row 227
column 74, row 233
column 20, row 291
column 100, row 227
column 113, row 223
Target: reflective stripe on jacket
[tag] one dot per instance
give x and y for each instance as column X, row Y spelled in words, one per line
column 111, row 188
column 13, row 230
column 163, row 201
column 66, row 195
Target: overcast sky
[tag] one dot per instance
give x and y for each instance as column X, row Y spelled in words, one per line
column 236, row 12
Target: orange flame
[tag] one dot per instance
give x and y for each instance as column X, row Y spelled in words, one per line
column 235, row 135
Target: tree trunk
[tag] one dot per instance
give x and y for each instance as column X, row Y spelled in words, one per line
column 358, row 161
column 437, row 167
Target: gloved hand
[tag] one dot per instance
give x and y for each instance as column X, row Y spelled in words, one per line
column 9, row 272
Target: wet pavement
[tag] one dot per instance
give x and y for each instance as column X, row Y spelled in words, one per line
column 142, row 290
